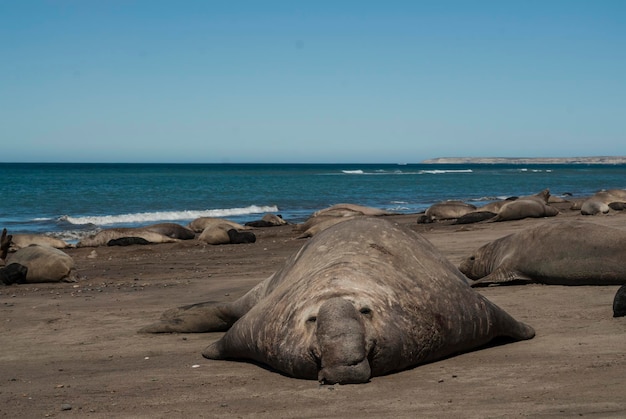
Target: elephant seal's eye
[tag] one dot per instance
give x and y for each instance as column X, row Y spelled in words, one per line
column 312, row 319
column 366, row 310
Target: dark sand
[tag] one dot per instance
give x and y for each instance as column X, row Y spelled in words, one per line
column 71, row 349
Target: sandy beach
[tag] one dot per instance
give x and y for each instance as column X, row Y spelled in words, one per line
column 72, row 349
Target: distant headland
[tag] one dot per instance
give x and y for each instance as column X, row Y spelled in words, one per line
column 528, row 160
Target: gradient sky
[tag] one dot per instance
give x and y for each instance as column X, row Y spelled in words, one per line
column 310, row 81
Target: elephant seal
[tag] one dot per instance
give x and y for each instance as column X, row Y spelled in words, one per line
column 363, row 298
column 20, row 241
column 127, row 241
column 524, row 208
column 496, row 205
column 602, row 201
column 268, row 220
column 448, row 210
column 475, row 217
column 103, row 237
column 323, row 218
column 173, row 230
column 322, row 224
column 345, row 209
column 619, row 302
column 200, row 224
column 216, row 234
column 618, row 206
column 565, row 253
column 592, row 206
column 13, row 273
column 240, row 237
column 43, row 264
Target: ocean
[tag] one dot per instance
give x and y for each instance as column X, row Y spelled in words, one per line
column 73, row 200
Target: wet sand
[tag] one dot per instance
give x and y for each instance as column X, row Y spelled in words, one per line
column 72, row 349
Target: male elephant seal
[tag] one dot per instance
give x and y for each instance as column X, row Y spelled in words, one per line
column 361, row 299
column 566, row 253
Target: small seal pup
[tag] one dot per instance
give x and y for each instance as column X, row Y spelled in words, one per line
column 362, row 298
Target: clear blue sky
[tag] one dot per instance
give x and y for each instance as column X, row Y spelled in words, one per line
column 310, row 81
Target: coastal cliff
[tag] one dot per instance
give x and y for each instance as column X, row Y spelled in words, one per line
column 528, row 160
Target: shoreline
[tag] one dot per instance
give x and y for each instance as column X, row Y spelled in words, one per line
column 599, row 160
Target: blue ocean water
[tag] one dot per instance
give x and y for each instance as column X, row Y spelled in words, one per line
column 71, row 200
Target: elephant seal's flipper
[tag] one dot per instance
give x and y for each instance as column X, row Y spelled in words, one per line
column 502, row 275
column 208, row 316
column 194, row 318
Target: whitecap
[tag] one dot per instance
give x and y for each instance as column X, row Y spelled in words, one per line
column 440, row 171
column 159, row 216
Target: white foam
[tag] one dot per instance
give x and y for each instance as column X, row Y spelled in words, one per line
column 439, row 172
column 146, row 217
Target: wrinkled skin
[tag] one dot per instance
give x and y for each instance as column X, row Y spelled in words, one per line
column 566, row 253
column 362, row 298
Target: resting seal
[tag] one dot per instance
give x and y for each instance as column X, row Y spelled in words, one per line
column 20, row 241
column 344, row 209
column 105, row 236
column 566, row 253
column 448, row 210
column 43, row 264
column 200, row 224
column 602, row 201
column 268, row 220
column 240, row 237
column 362, row 298
column 127, row 241
column 524, row 208
column 173, row 230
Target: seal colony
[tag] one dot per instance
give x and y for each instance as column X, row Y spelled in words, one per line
column 363, row 298
column 77, row 342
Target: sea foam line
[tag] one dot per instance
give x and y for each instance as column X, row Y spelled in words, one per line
column 439, row 172
column 144, row 217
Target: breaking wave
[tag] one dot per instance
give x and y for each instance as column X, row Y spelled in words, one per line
column 160, row 216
